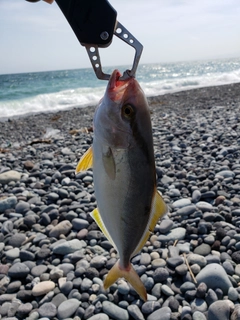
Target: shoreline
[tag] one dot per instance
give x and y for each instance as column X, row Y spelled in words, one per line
column 182, row 103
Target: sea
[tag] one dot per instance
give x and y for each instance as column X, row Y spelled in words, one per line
column 36, row 92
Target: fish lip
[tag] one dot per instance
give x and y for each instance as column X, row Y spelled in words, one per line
column 117, row 87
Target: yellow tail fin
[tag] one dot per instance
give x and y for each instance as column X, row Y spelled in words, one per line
column 130, row 275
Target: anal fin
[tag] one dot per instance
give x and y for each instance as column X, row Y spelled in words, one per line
column 98, row 219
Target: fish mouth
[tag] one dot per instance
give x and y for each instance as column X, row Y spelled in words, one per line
column 116, row 87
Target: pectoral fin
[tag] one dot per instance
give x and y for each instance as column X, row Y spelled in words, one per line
column 159, row 209
column 98, row 219
column 85, row 162
column 109, row 162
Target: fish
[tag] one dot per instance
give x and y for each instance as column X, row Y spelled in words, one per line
column 122, row 158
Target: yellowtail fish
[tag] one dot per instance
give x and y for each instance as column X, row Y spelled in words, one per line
column 128, row 203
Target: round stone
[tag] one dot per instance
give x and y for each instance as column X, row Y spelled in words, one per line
column 47, row 310
column 219, row 310
column 67, row 308
column 214, row 276
column 114, row 311
column 162, row 313
column 42, row 288
column 18, row 270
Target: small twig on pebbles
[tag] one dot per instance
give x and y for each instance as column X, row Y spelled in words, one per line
column 185, row 258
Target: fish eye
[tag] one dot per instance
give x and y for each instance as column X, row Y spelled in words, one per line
column 128, row 111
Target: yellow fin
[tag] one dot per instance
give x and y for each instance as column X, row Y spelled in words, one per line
column 85, row 162
column 130, row 275
column 159, row 209
column 97, row 217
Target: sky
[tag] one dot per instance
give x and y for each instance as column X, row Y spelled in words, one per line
column 37, row 37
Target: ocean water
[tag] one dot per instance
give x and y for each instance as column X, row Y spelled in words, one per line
column 59, row 90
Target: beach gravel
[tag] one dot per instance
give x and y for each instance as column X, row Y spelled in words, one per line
column 54, row 258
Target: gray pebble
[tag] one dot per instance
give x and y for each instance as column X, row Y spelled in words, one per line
column 100, row 316
column 135, row 312
column 233, row 294
column 150, row 306
column 17, row 239
column 160, row 275
column 47, row 310
column 199, row 305
column 215, row 277
column 9, row 176
column 174, row 234
column 145, row 259
column 162, row 313
column 67, row 247
column 62, row 227
column 219, row 310
column 79, row 224
column 167, row 290
column 18, row 270
column 114, row 311
column 181, row 203
column 187, row 210
column 67, row 308
column 165, row 226
column 203, row 249
column 197, row 315
column 7, row 203
column 12, row 254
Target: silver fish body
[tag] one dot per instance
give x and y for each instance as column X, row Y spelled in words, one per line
column 124, row 175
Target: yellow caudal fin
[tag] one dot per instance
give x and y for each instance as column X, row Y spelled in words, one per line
column 159, row 209
column 85, row 162
column 98, row 219
column 130, row 275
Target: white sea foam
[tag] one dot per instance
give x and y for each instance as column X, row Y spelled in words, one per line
column 154, row 79
column 51, row 102
column 169, row 85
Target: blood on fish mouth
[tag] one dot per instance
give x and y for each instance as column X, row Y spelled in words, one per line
column 117, row 87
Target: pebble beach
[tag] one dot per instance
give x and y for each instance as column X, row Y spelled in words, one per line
column 53, row 257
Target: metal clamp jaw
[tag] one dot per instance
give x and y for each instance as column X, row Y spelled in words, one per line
column 94, row 23
column 127, row 37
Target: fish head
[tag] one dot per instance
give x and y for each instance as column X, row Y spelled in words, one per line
column 122, row 110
